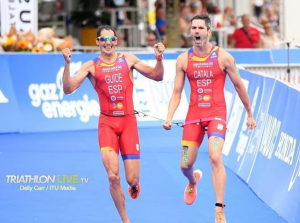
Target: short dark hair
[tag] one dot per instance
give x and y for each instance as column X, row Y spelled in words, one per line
column 106, row 27
column 204, row 17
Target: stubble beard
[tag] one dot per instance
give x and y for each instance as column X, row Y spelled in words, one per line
column 203, row 40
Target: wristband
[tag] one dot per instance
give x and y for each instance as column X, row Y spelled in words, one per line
column 159, row 58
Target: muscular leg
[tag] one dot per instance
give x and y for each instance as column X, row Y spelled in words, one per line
column 111, row 164
column 130, row 149
column 191, row 140
column 132, row 171
column 215, row 146
column 188, row 158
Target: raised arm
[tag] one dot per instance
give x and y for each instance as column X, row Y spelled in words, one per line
column 71, row 84
column 155, row 73
column 234, row 75
column 178, row 87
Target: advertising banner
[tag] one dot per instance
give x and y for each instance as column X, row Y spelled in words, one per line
column 261, row 114
column 275, row 173
column 42, row 102
column 9, row 111
column 39, row 91
column 20, row 14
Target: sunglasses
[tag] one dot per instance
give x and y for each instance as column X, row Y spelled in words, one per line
column 105, row 38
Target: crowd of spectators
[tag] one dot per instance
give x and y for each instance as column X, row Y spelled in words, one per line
column 244, row 31
column 259, row 29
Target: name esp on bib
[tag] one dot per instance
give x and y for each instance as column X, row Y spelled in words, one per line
column 114, row 83
column 204, row 78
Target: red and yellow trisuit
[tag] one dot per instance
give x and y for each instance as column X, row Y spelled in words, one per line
column 207, row 108
column 117, row 128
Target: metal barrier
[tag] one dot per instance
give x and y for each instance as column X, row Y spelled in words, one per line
column 278, row 71
column 132, row 33
column 88, row 49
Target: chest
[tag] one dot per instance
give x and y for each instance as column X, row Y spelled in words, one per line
column 206, row 70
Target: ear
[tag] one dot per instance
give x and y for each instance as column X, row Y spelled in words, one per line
column 97, row 41
column 209, row 32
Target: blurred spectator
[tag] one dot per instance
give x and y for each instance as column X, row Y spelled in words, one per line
column 183, row 3
column 195, row 9
column 184, row 24
column 122, row 18
column 246, row 36
column 161, row 24
column 150, row 40
column 257, row 7
column 270, row 39
column 264, row 20
column 50, row 11
column 158, row 4
column 207, row 7
column 217, row 17
column 271, row 17
column 120, row 40
column 184, row 42
column 184, row 27
column 229, row 21
column 216, row 10
column 229, row 18
column 204, row 6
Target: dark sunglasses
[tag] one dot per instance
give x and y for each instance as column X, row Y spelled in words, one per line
column 105, row 38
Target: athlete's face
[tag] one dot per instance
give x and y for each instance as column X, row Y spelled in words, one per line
column 199, row 32
column 107, row 41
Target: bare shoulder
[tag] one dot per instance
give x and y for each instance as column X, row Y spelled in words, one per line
column 88, row 64
column 88, row 67
column 182, row 60
column 225, row 58
column 183, row 56
column 129, row 56
column 131, row 59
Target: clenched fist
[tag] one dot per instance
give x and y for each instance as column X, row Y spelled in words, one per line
column 67, row 54
column 159, row 49
column 167, row 125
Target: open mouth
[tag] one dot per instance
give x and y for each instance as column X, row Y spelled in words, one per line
column 198, row 38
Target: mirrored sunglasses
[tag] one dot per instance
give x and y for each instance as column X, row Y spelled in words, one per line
column 105, row 38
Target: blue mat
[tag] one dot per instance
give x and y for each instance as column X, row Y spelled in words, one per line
column 77, row 153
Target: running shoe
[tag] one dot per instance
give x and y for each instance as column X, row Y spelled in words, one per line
column 134, row 192
column 190, row 193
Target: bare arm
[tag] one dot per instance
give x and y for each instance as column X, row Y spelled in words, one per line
column 155, row 73
column 234, row 75
column 178, row 87
column 71, row 84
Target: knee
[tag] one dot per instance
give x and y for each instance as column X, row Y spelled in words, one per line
column 186, row 167
column 133, row 180
column 216, row 160
column 114, row 179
